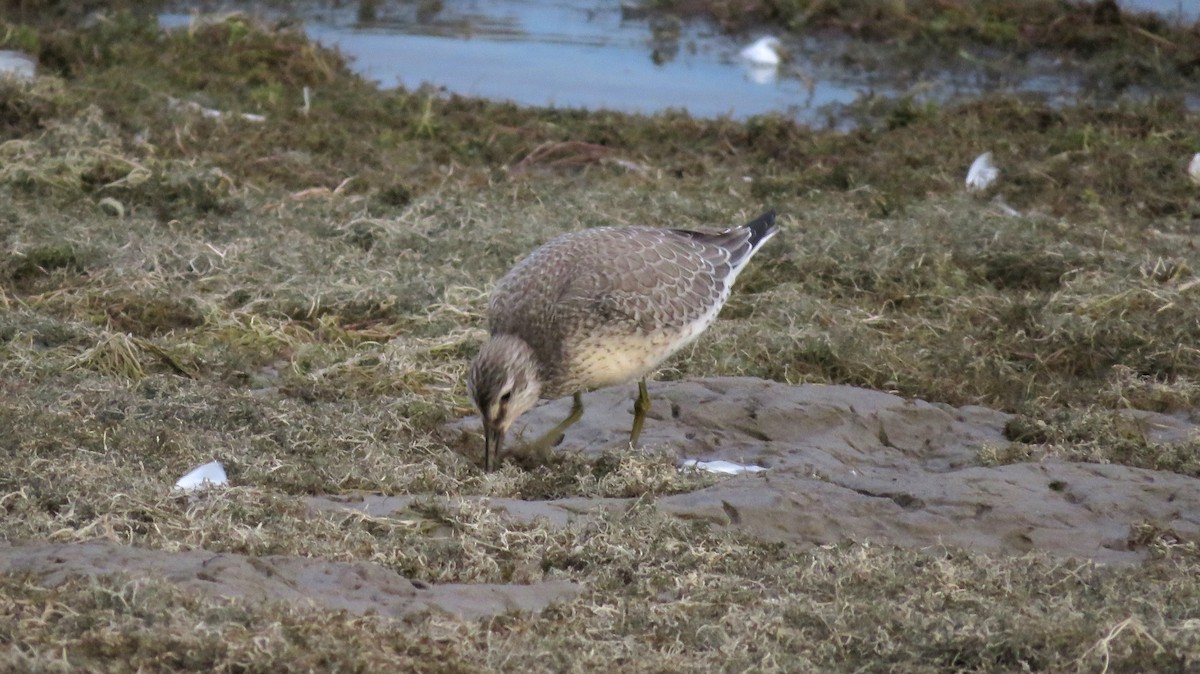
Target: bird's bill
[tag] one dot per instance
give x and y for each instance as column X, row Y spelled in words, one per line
column 493, row 440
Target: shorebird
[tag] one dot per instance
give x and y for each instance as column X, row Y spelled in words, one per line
column 596, row 308
column 763, row 52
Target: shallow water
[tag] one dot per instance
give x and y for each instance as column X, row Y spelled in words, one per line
column 592, row 54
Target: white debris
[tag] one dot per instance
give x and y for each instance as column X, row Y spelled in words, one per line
column 1005, row 208
column 719, row 466
column 17, row 64
column 764, row 52
column 1194, row 168
column 176, row 104
column 211, row 474
column 982, row 173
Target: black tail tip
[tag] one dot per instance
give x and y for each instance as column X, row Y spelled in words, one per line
column 762, row 226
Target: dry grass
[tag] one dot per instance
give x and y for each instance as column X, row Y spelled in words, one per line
column 674, row 606
column 300, row 298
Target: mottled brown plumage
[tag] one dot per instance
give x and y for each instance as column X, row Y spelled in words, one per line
column 600, row 307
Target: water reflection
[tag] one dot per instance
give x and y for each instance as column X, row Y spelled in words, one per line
column 601, row 55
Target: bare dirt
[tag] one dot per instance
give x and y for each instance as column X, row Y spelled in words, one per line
column 355, row 587
column 844, row 464
column 848, row 464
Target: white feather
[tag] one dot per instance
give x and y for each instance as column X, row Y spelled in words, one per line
column 1194, row 168
column 982, row 173
column 211, row 474
column 1005, row 208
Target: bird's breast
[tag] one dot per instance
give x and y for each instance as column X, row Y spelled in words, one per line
column 606, row 360
column 601, row 361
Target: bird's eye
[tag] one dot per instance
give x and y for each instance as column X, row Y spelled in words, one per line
column 506, row 397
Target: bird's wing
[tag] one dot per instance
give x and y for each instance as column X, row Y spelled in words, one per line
column 646, row 280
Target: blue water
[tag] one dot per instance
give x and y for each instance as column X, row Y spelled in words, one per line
column 586, row 53
column 565, row 53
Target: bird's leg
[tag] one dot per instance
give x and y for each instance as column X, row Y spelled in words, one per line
column 640, row 407
column 541, row 446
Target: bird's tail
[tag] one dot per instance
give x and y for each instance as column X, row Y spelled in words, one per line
column 742, row 242
column 761, row 228
column 737, row 245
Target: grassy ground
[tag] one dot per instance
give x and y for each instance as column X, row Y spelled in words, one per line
column 299, row 298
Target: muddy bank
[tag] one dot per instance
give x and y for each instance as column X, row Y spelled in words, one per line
column 355, row 587
column 843, row 465
column 849, row 464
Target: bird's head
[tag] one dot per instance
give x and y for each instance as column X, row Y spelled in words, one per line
column 504, row 384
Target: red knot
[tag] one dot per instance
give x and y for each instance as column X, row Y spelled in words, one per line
column 596, row 308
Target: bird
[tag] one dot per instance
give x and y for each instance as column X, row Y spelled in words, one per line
column 600, row 307
column 762, row 52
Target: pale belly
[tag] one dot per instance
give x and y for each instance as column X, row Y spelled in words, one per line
column 605, row 361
